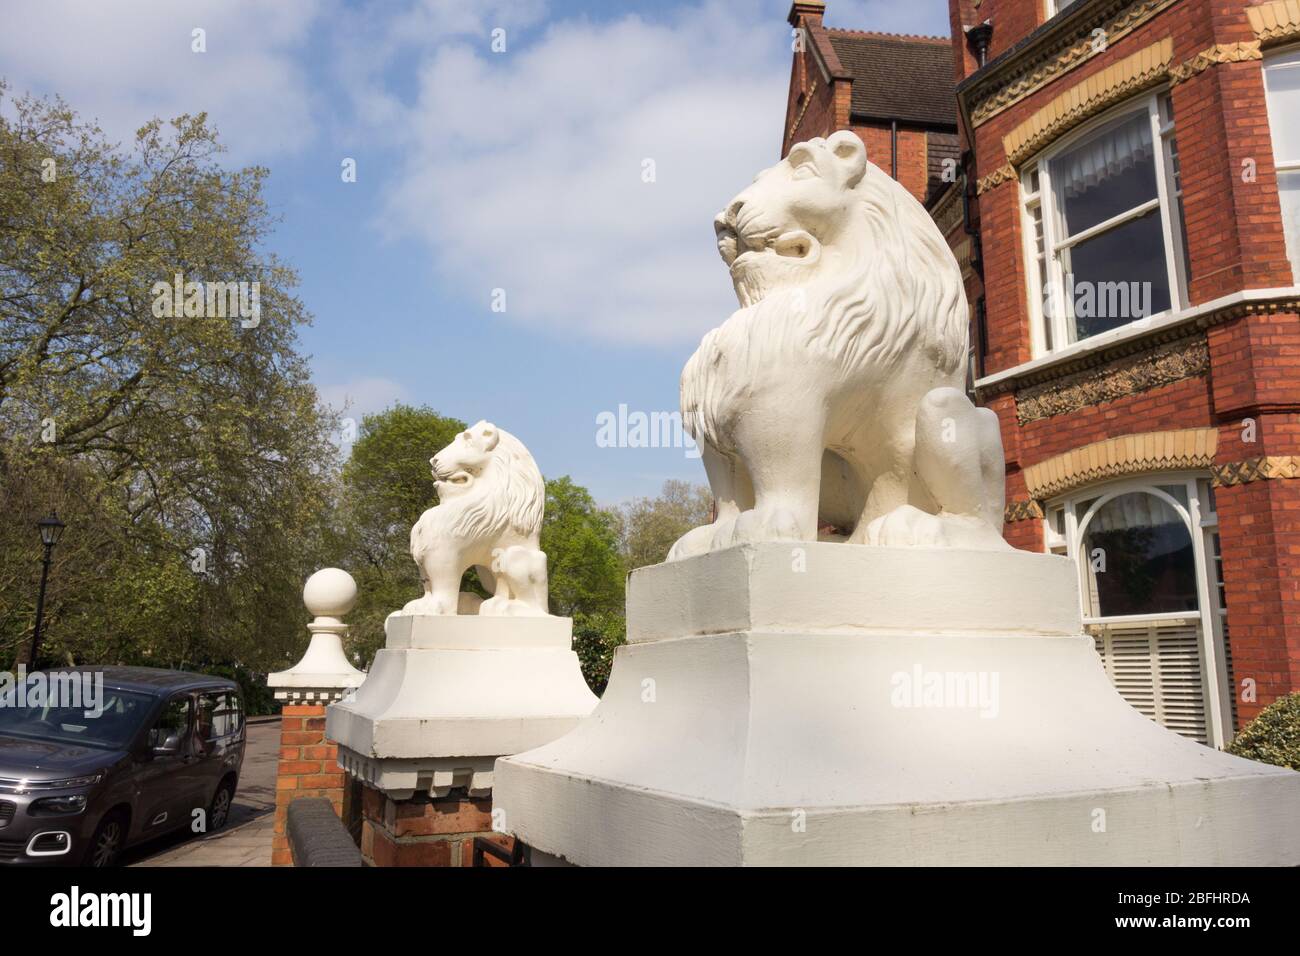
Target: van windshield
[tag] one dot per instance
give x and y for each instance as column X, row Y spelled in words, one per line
column 103, row 717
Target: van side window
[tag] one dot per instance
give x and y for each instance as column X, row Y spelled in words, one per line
column 220, row 715
column 172, row 725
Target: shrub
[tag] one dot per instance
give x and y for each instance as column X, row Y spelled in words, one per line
column 1273, row 736
column 595, row 638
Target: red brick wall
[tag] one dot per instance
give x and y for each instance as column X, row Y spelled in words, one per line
column 1234, row 227
column 827, row 110
column 1235, row 242
column 424, row 831
column 308, row 768
column 913, row 154
column 1013, row 20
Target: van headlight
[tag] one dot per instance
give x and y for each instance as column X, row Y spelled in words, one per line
column 70, row 783
column 58, row 806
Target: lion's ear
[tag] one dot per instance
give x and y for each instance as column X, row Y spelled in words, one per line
column 849, row 150
column 490, row 436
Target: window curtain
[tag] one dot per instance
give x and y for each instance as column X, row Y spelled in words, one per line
column 1109, row 153
column 1138, row 510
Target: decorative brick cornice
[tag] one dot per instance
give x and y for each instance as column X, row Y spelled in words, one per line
column 1024, row 510
column 1128, row 375
column 1275, row 22
column 1057, row 52
column 1138, row 344
column 1255, row 469
column 1003, row 174
column 961, row 252
column 1119, row 457
column 1117, row 82
column 1219, row 53
column 947, row 211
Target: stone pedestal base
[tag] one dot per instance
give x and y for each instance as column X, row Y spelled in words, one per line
column 449, row 694
column 729, row 734
column 424, row 831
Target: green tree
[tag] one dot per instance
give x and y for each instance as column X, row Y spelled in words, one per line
column 648, row 527
column 189, row 457
column 581, row 544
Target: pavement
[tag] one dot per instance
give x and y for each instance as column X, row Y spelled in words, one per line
column 246, row 839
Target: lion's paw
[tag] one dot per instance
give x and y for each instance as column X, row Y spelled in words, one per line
column 767, row 524
column 910, row 527
column 509, row 607
column 696, row 541
column 427, row 605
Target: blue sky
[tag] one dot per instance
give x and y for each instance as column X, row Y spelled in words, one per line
column 521, row 170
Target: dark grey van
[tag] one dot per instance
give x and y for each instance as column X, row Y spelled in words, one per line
column 157, row 751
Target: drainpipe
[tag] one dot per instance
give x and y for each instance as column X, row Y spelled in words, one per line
column 893, row 148
column 978, row 38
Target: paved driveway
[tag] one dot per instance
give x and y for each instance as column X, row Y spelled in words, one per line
column 246, row 839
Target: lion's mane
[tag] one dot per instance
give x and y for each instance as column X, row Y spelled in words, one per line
column 896, row 292
column 510, row 495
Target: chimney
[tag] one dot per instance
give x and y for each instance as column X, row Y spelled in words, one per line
column 809, row 11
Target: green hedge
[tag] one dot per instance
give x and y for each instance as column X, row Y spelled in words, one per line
column 1273, row 736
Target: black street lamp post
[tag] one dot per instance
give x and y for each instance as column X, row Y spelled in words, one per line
column 51, row 529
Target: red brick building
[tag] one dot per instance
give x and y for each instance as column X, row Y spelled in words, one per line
column 893, row 91
column 1127, row 215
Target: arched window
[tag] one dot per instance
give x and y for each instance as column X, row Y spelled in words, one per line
column 1151, row 592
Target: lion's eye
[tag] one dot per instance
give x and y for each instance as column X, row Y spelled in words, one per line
column 805, row 171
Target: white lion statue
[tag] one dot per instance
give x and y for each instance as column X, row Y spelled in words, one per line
column 489, row 516
column 830, row 405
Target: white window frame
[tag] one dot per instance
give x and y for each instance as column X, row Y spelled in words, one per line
column 1054, row 333
column 1056, row 6
column 1288, row 59
column 1198, row 514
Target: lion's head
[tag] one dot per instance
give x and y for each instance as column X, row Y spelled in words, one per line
column 851, row 247
column 489, row 477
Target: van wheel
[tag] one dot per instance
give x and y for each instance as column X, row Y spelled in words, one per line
column 219, row 812
column 107, row 842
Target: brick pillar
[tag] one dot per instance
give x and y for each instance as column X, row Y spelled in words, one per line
column 426, row 831
column 308, row 761
column 308, row 768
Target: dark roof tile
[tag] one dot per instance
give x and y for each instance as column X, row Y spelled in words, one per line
column 904, row 78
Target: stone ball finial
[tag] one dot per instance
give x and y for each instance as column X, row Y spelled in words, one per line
column 330, row 592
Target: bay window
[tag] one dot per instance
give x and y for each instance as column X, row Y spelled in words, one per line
column 1282, row 89
column 1151, row 587
column 1102, row 217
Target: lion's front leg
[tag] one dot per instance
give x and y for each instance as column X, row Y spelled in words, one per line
column 732, row 493
column 780, row 442
column 441, row 571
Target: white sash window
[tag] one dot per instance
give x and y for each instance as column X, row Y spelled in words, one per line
column 1282, row 87
column 1102, row 219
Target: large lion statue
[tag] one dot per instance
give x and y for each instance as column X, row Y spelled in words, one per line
column 489, row 517
column 830, row 405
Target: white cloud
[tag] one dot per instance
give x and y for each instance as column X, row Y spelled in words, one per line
column 523, row 170
column 362, row 396
column 124, row 63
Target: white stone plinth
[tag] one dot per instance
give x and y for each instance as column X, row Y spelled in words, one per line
column 449, row 693
column 777, row 744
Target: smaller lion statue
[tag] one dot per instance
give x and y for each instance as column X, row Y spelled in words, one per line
column 489, row 517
